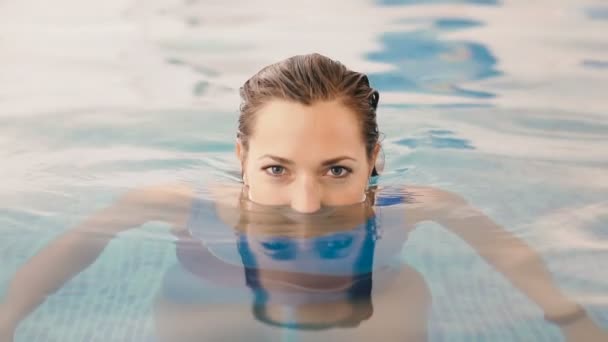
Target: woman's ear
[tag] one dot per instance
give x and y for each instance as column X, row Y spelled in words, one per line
column 377, row 160
column 240, row 154
column 239, row 150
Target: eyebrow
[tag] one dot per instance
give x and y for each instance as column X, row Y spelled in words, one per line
column 324, row 163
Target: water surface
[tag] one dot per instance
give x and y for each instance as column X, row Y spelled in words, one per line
column 502, row 102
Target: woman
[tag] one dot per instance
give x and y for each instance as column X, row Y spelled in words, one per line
column 308, row 143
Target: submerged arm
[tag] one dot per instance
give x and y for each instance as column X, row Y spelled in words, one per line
column 511, row 256
column 80, row 246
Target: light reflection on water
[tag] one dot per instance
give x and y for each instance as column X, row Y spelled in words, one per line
column 502, row 102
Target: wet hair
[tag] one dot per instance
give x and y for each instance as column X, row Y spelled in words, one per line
column 307, row 79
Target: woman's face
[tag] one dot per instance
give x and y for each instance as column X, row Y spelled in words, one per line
column 306, row 156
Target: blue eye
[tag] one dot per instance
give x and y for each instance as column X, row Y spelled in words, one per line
column 275, row 170
column 339, row 171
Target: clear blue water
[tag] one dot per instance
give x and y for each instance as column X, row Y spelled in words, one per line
column 502, row 102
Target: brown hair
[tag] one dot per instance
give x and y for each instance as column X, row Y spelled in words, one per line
column 307, row 79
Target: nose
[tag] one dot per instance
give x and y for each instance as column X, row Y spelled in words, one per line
column 306, row 196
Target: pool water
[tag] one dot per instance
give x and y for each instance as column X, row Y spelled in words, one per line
column 501, row 102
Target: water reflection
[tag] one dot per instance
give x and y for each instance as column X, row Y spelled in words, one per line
column 436, row 139
column 421, row 2
column 292, row 271
column 598, row 12
column 311, row 283
column 594, row 64
column 425, row 63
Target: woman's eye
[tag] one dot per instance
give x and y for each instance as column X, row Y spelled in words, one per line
column 275, row 170
column 339, row 171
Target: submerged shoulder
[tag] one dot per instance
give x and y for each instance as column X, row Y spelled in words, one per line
column 162, row 194
column 428, row 195
column 426, row 203
column 226, row 195
column 184, row 193
column 415, row 195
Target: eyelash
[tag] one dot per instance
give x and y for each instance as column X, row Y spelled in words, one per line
column 347, row 170
column 266, row 168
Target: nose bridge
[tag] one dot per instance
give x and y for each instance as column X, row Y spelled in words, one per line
column 306, row 194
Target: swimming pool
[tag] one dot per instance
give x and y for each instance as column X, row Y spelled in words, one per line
column 503, row 102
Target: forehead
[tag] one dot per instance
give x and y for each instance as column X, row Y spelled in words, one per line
column 324, row 127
